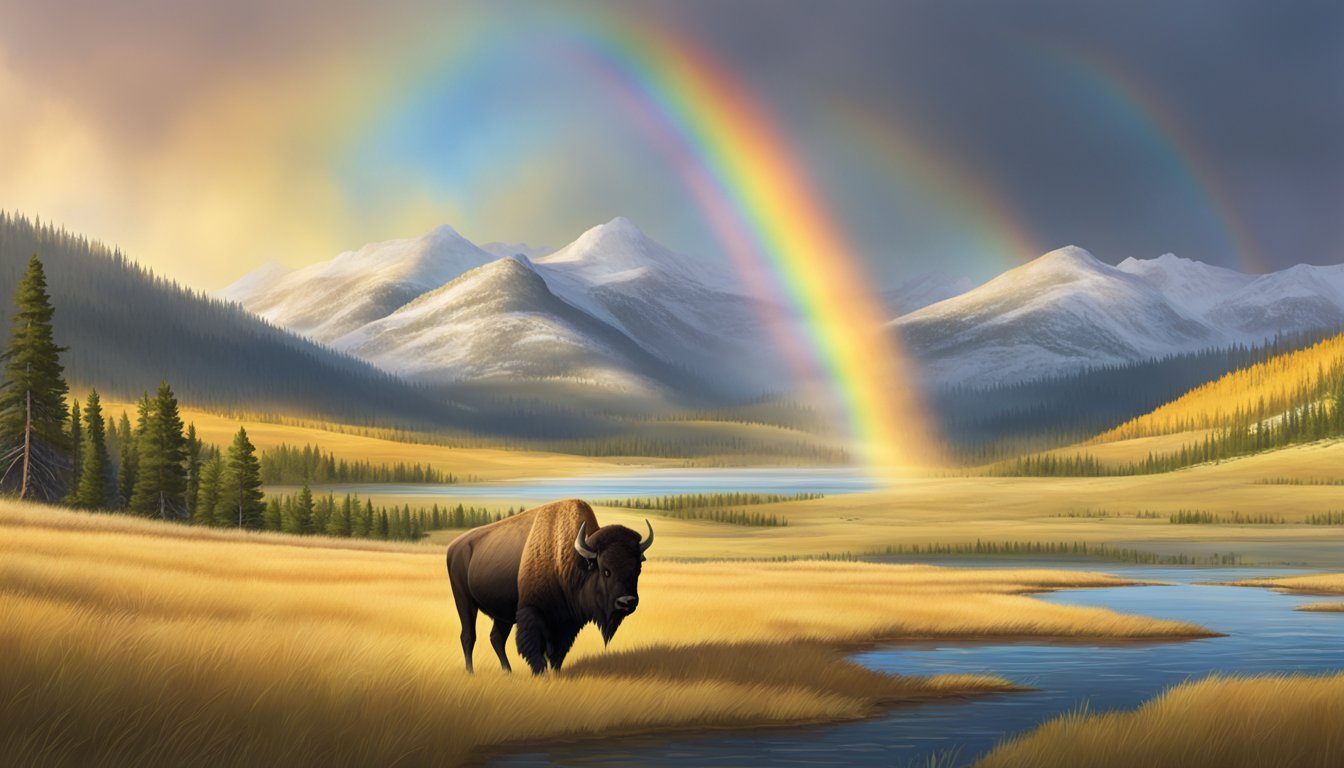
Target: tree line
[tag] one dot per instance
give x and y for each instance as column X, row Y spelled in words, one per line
column 291, row 465
column 693, row 500
column 303, row 513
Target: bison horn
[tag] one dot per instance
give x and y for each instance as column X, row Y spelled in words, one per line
column 581, row 545
column 645, row 544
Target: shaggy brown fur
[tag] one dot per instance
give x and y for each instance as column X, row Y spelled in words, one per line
column 525, row 570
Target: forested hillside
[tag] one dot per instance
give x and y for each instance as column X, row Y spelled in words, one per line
column 1246, row 397
column 1289, row 399
column 125, row 330
column 988, row 423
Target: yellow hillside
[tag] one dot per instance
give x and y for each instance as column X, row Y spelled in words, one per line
column 1243, row 397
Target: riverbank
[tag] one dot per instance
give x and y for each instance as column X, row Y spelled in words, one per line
column 131, row 641
column 1230, row 722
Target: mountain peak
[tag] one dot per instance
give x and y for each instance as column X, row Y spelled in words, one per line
column 1070, row 255
column 616, row 250
column 620, row 232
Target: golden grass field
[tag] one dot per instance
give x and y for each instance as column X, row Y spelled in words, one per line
column 1228, row 722
column 129, row 641
column 476, row 463
column 960, row 509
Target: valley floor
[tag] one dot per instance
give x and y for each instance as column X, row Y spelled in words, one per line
column 1288, row 487
column 135, row 642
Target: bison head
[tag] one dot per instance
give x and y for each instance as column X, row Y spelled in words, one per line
column 611, row 558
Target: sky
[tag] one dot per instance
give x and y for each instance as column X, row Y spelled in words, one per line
column 207, row 138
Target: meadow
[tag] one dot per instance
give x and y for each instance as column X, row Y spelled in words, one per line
column 129, row 641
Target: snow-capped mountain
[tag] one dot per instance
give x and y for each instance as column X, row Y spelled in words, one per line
column 1066, row 311
column 613, row 308
column 500, row 320
column 1192, row 286
column 1063, row 311
column 328, row 300
column 1300, row 298
column 686, row 311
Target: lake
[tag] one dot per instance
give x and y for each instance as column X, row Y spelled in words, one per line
column 1263, row 635
column 636, row 482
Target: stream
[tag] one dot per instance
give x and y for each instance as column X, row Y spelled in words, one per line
column 1263, row 635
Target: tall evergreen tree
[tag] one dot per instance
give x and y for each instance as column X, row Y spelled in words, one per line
column 207, row 497
column 130, row 459
column 161, row 480
column 240, row 497
column 76, row 446
column 35, row 462
column 304, row 510
column 195, row 451
column 273, row 519
column 94, row 490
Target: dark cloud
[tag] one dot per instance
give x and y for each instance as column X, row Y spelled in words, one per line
column 1254, row 90
column 1245, row 153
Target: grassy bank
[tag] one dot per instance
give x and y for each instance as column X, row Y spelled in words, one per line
column 1310, row 584
column 132, row 642
column 1228, row 722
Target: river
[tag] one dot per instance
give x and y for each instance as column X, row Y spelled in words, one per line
column 1263, row 635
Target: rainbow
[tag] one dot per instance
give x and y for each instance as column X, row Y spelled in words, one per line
column 1148, row 115
column 1002, row 234
column 758, row 200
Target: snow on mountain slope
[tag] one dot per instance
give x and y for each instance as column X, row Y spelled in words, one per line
column 1192, row 287
column 1061, row 312
column 327, row 300
column 689, row 312
column 920, row 292
column 619, row 250
column 1300, row 298
column 500, row 320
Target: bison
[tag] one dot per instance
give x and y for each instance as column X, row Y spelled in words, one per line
column 550, row 570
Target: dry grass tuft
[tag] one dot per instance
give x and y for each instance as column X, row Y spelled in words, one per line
column 1310, row 584
column 1229, row 722
column 132, row 642
column 1322, row 607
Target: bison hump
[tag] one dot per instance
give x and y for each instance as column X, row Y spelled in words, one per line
column 549, row 569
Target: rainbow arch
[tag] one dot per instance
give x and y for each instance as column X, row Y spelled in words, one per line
column 755, row 194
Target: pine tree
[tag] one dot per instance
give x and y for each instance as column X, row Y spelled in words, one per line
column 207, row 498
column 303, row 510
column 32, row 398
column 161, row 479
column 94, row 489
column 76, row 445
column 240, row 497
column 273, row 517
column 129, row 460
column 195, row 451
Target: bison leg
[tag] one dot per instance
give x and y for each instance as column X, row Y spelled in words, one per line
column 466, row 612
column 533, row 640
column 559, row 649
column 499, row 635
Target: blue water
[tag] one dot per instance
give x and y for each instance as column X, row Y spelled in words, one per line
column 1263, row 635
column 640, row 482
